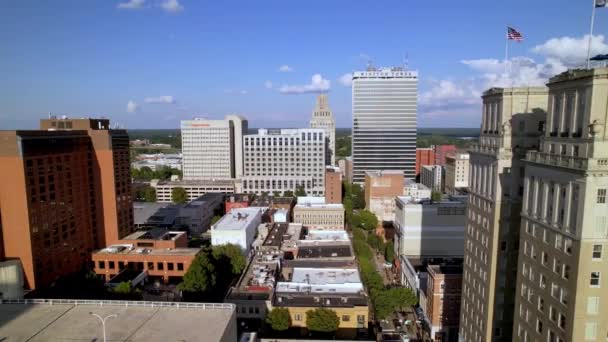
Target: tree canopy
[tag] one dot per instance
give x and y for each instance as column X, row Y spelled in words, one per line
column 322, row 320
column 288, row 193
column 436, row 196
column 232, row 255
column 365, row 219
column 300, row 191
column 179, row 195
column 146, row 174
column 200, row 277
column 279, row 319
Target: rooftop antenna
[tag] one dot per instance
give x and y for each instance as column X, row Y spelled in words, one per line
column 406, row 61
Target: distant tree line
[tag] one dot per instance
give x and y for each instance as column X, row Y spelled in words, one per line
column 147, row 174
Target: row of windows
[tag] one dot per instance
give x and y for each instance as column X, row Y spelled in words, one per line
column 160, row 266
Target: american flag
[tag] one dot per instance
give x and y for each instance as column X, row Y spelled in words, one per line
column 513, row 34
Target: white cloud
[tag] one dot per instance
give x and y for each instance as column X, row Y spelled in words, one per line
column 285, row 68
column 571, row 51
column 447, row 92
column 132, row 107
column 268, row 85
column 233, row 91
column 131, row 4
column 172, row 6
column 346, row 80
column 164, row 99
column 317, row 85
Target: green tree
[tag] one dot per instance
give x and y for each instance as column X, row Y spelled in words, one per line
column 179, row 195
column 288, row 193
column 322, row 320
column 348, row 210
column 436, row 196
column 358, row 196
column 365, row 219
column 373, row 241
column 279, row 319
column 149, row 194
column 123, row 288
column 389, row 252
column 300, row 191
column 276, row 193
column 232, row 254
column 402, row 298
column 383, row 305
column 200, row 277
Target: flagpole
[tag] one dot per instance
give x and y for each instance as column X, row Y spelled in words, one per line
column 506, row 53
column 590, row 35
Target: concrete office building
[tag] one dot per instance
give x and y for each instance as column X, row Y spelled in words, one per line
column 456, row 172
column 512, row 121
column 432, row 177
column 212, row 149
column 194, row 188
column 384, row 121
column 346, row 165
column 429, row 230
column 561, row 288
column 416, row 191
column 65, row 191
column 237, row 227
column 381, row 188
column 323, row 118
column 443, row 292
column 285, row 159
column 39, row 320
column 333, row 185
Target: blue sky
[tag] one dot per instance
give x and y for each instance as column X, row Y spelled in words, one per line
column 150, row 63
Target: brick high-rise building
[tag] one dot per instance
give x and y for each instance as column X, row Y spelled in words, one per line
column 443, row 301
column 424, row 156
column 333, row 185
column 66, row 190
column 441, row 151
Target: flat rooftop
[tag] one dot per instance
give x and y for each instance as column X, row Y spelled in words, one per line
column 237, row 219
column 310, row 200
column 125, row 249
column 320, row 206
column 70, row 320
column 142, row 211
column 195, row 183
column 275, row 235
column 154, row 234
column 325, row 235
column 325, row 276
column 446, row 269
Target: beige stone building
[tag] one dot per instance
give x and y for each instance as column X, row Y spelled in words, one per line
column 319, row 215
column 456, row 172
column 512, row 121
column 561, row 295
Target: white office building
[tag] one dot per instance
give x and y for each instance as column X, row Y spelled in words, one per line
column 323, row 118
column 456, row 172
column 285, row 159
column 238, row 227
column 384, row 121
column 212, row 149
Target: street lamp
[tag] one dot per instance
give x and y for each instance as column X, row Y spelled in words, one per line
column 103, row 322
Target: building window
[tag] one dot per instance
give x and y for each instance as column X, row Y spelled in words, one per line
column 102, row 265
column 593, row 305
column 180, row 266
column 595, row 279
column 601, row 195
column 539, row 326
column 562, row 321
column 345, row 318
column 111, row 265
column 121, row 265
column 590, row 331
column 597, row 252
column 360, row 319
column 297, row 317
column 151, row 266
column 160, row 266
column 170, row 266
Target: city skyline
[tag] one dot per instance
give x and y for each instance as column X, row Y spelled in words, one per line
column 150, row 64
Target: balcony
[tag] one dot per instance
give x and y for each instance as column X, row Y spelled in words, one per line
column 569, row 162
column 485, row 149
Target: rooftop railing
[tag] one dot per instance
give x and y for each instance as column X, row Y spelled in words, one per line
column 125, row 303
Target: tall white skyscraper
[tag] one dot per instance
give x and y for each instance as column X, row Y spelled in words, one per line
column 384, row 121
column 322, row 117
column 213, row 149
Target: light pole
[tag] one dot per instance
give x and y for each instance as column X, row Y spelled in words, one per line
column 103, row 322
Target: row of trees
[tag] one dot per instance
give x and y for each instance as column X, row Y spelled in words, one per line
column 211, row 273
column 385, row 300
column 354, row 199
column 147, row 174
column 320, row 320
column 386, row 249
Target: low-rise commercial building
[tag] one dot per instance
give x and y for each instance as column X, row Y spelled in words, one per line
column 146, row 214
column 424, row 156
column 237, row 201
column 194, row 188
column 456, row 172
column 159, row 253
column 319, row 215
column 237, row 227
column 381, row 188
column 432, row 177
column 417, row 191
column 429, row 230
column 346, row 165
column 197, row 214
column 443, row 301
